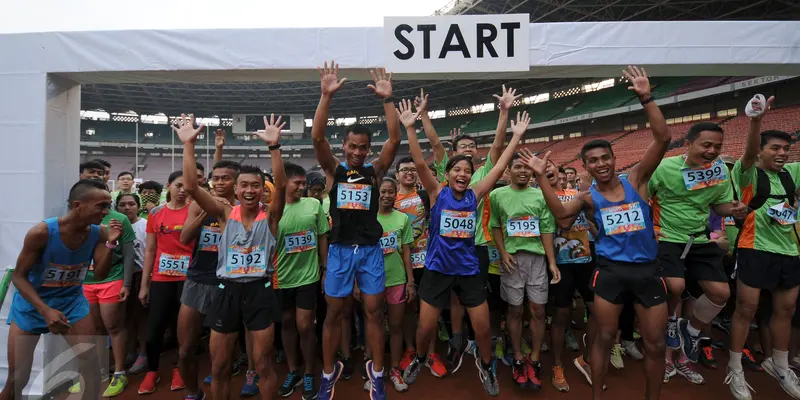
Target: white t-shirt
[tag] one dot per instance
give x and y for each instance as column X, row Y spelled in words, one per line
column 139, row 228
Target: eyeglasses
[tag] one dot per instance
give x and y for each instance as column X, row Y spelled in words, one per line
column 407, row 170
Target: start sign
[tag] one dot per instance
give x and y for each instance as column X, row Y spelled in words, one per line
column 457, row 43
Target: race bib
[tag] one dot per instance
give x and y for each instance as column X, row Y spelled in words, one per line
column 494, row 257
column 300, row 241
column 709, row 175
column 170, row 265
column 457, row 224
column 209, row 238
column 353, row 196
column 580, row 224
column 525, row 226
column 243, row 261
column 389, row 242
column 623, row 218
column 783, row 213
column 56, row 275
column 418, row 259
column 729, row 221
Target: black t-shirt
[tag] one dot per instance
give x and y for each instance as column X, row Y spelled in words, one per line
column 354, row 206
column 203, row 268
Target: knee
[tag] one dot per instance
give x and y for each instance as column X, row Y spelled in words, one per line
column 784, row 311
column 287, row 323
column 221, row 369
column 606, row 337
column 719, row 295
column 303, row 326
column 115, row 326
column 373, row 313
column 745, row 309
column 537, row 312
column 655, row 345
column 334, row 317
column 676, row 286
column 514, row 312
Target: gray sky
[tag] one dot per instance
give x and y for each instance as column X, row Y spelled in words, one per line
column 85, row 15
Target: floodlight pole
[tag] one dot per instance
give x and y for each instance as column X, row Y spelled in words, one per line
column 208, row 165
column 136, row 163
column 172, row 149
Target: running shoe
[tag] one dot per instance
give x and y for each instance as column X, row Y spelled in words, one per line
column 707, row 357
column 533, row 369
column 408, row 355
column 689, row 344
column 250, row 386
column 444, row 336
column 616, row 356
column 177, row 380
column 397, row 380
column 669, row 371
column 488, row 377
column 629, row 349
column 207, row 380
column 364, row 374
column 519, row 374
column 435, row 365
column 455, row 357
column 750, row 362
column 685, row 370
column 238, row 363
column 118, row 384
column 740, row 389
column 794, row 363
column 149, row 382
column 347, row 368
column 200, row 395
column 570, row 342
column 327, row 385
column 377, row 389
column 280, row 356
column 309, row 388
column 787, row 378
column 673, row 341
column 584, row 368
column 410, row 374
column 139, row 365
column 558, row 380
column 499, row 348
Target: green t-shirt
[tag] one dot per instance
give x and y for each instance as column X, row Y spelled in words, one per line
column 760, row 231
column 483, row 234
column 396, row 233
column 298, row 236
column 528, row 215
column 679, row 212
column 117, row 271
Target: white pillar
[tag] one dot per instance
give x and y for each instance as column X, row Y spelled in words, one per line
column 39, row 132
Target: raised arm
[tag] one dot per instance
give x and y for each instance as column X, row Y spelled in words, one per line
column 429, row 182
column 271, row 135
column 757, row 109
column 640, row 84
column 219, row 144
column 504, row 101
column 557, row 208
column 330, row 83
column 383, row 88
column 518, row 129
column 187, row 133
column 421, row 103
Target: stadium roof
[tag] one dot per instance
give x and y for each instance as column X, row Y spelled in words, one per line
column 225, row 99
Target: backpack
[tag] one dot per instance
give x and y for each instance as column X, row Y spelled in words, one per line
column 763, row 191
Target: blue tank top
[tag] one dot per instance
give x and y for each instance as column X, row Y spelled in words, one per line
column 451, row 238
column 58, row 275
column 624, row 229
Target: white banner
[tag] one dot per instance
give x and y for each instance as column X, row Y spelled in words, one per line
column 457, row 43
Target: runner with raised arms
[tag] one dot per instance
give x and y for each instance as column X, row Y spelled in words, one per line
column 452, row 261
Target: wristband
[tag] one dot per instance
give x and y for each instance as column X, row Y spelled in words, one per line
column 649, row 99
column 275, row 147
column 111, row 245
column 389, row 99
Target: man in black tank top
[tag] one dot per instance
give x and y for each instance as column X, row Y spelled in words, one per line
column 197, row 296
column 354, row 255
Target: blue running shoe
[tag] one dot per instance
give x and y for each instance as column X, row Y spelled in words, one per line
column 673, row 341
column 378, row 389
column 250, row 387
column 690, row 344
column 207, row 380
column 309, row 388
column 327, row 385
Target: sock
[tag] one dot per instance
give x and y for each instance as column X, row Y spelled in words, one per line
column 487, row 367
column 421, row 360
column 692, row 330
column 327, row 375
column 673, row 318
column 377, row 374
column 781, row 359
column 735, row 361
column 457, row 339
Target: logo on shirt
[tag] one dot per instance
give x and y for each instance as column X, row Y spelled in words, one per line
column 351, row 180
column 167, row 230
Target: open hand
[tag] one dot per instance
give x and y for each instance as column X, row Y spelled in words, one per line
column 219, row 138
column 538, row 165
column 383, row 83
column 411, row 292
column 508, row 262
column 640, row 84
column 421, row 102
column 272, row 130
column 454, row 133
column 329, row 78
column 519, row 126
column 184, row 127
column 556, row 274
column 407, row 118
column 114, row 230
column 506, row 100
